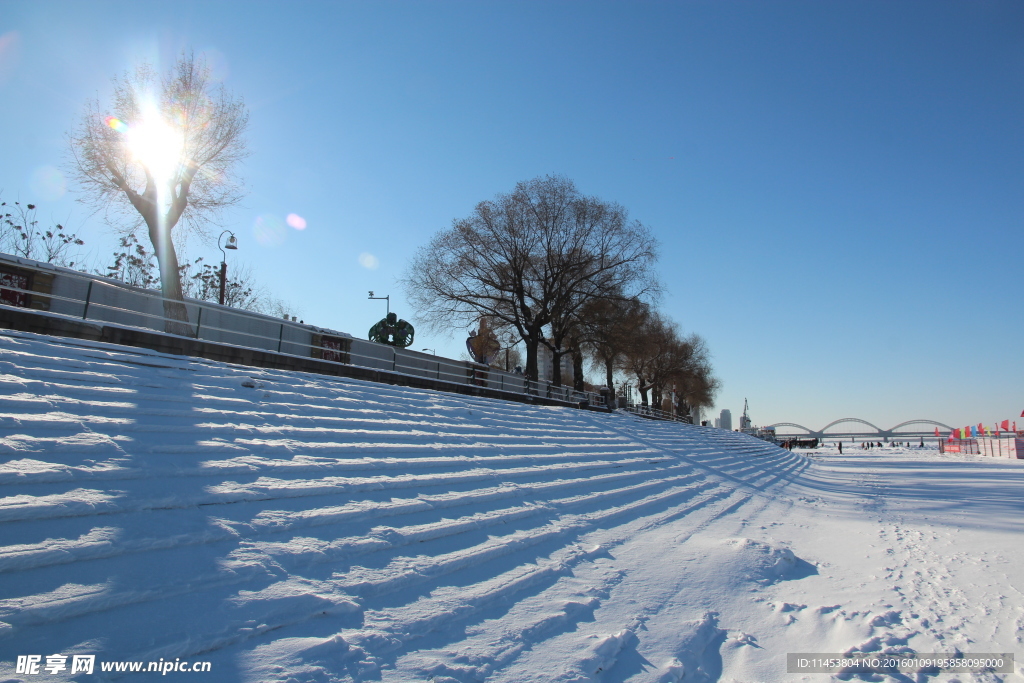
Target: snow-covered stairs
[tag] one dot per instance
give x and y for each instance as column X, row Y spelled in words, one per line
column 154, row 506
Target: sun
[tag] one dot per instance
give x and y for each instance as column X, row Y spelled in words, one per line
column 157, row 146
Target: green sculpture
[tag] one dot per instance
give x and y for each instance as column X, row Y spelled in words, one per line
column 392, row 331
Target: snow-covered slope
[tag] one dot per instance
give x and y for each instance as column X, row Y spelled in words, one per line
column 292, row 527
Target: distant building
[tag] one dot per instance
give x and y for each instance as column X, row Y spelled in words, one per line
column 546, row 368
column 725, row 421
column 718, row 423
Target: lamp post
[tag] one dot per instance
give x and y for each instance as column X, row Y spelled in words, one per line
column 509, row 341
column 232, row 244
column 433, row 351
column 385, row 298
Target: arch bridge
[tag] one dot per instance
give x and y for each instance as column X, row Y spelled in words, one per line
column 875, row 431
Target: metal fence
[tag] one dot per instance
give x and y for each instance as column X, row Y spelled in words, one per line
column 68, row 293
column 966, row 446
column 654, row 413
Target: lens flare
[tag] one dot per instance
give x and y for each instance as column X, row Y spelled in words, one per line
column 48, row 183
column 158, row 146
column 217, row 63
column 8, row 54
column 269, row 230
column 117, row 124
column 368, row 261
column 296, row 221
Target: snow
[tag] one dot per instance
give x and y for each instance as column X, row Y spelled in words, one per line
column 296, row 528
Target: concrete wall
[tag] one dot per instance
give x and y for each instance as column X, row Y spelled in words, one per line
column 40, row 322
column 105, row 306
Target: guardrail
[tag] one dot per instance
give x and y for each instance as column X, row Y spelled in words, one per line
column 654, row 413
column 64, row 292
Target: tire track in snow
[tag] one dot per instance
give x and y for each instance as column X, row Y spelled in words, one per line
column 275, row 562
column 496, row 646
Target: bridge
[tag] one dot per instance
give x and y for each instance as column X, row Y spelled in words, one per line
column 878, row 433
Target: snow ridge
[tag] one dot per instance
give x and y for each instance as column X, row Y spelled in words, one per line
column 292, row 527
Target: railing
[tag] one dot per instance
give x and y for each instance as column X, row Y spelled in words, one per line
column 965, row 446
column 29, row 284
column 654, row 413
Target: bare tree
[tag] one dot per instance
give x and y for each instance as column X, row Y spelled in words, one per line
column 279, row 308
column 663, row 362
column 132, row 264
column 695, row 385
column 607, row 328
column 19, row 235
column 530, row 259
column 202, row 281
column 648, row 353
column 617, row 254
column 162, row 154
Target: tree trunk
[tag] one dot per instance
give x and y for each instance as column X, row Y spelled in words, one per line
column 170, row 282
column 643, row 389
column 556, row 368
column 608, row 370
column 531, row 343
column 577, row 369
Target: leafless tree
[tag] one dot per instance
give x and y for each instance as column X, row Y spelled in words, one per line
column 663, row 362
column 648, row 352
column 697, row 385
column 509, row 359
column 20, row 235
column 279, row 308
column 689, row 376
column 162, row 154
column 531, row 259
column 607, row 328
column 132, row 264
column 202, row 281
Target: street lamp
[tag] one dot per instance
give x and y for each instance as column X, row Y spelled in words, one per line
column 385, row 298
column 232, row 244
column 509, row 341
column 433, row 351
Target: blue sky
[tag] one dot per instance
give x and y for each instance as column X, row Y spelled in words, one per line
column 836, row 187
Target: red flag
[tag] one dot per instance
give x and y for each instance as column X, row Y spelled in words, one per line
column 1005, row 425
column 936, row 431
column 1022, row 413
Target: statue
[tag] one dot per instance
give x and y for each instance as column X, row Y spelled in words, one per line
column 483, row 346
column 393, row 332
